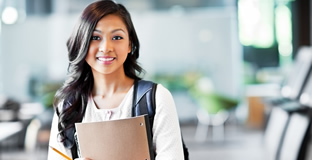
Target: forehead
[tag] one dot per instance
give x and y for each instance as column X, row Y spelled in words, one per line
column 111, row 22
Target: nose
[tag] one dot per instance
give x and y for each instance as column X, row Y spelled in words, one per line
column 105, row 46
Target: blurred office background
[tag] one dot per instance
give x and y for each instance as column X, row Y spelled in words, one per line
column 225, row 62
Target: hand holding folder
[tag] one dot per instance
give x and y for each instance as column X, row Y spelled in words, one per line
column 117, row 139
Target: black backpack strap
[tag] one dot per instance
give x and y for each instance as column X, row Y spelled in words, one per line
column 144, row 99
column 144, row 103
column 185, row 150
column 70, row 142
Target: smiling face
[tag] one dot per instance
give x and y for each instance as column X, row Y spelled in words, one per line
column 109, row 46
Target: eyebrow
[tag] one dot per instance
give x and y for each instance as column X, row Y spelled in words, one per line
column 115, row 30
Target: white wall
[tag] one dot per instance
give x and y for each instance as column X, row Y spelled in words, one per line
column 34, row 48
column 201, row 40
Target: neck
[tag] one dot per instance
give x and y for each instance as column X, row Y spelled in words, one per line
column 108, row 85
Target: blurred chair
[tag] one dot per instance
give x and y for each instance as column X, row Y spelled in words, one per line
column 287, row 134
column 274, row 132
column 9, row 109
column 38, row 131
column 296, row 79
column 295, row 84
column 215, row 120
column 290, row 122
column 297, row 136
column 287, row 128
column 32, row 134
column 306, row 96
column 214, row 110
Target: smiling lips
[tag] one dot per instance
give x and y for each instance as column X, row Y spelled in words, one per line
column 106, row 60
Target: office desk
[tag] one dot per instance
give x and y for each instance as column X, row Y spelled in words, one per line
column 9, row 129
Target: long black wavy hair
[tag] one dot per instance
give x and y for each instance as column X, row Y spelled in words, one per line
column 71, row 99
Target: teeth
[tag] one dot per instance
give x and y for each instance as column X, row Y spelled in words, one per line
column 105, row 59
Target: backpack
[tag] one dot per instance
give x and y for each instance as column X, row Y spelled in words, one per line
column 144, row 103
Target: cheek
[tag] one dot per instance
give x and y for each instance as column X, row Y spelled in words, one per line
column 88, row 59
column 126, row 48
column 129, row 48
column 92, row 49
column 90, row 55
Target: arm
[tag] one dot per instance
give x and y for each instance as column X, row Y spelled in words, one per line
column 166, row 128
column 52, row 155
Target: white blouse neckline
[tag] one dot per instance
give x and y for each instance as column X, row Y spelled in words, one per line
column 112, row 113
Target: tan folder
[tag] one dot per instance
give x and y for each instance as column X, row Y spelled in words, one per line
column 115, row 140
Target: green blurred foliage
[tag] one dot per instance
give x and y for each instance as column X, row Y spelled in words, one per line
column 178, row 82
column 46, row 92
column 203, row 94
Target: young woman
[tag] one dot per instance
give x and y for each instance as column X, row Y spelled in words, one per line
column 103, row 51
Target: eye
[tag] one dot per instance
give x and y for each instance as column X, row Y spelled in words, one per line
column 95, row 38
column 117, row 38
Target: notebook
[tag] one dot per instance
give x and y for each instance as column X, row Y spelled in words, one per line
column 116, row 139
